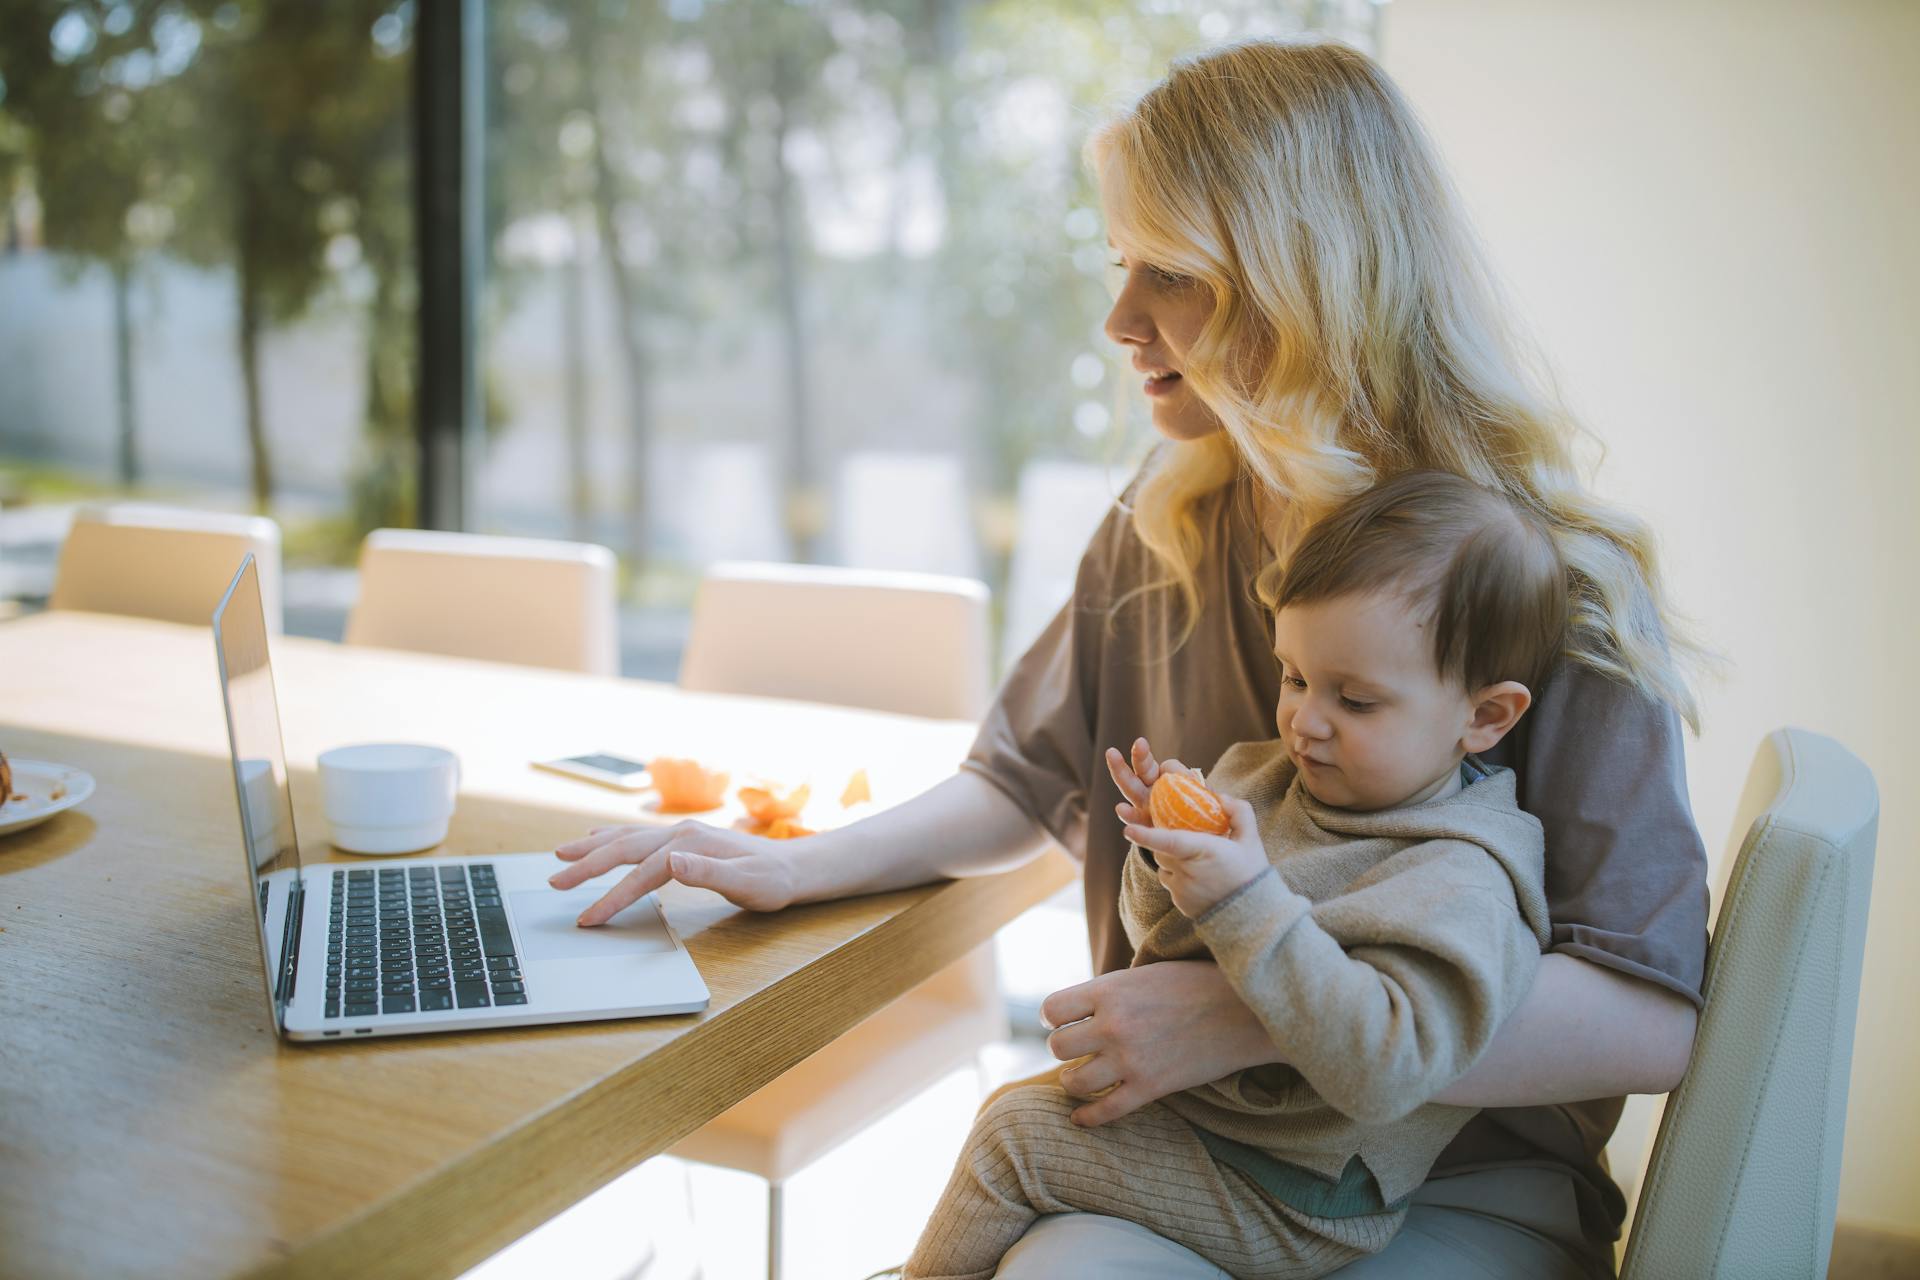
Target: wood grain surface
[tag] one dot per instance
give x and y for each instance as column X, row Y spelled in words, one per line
column 152, row 1124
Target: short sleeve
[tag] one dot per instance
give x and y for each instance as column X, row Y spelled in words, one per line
column 1602, row 766
column 1116, row 664
column 1039, row 733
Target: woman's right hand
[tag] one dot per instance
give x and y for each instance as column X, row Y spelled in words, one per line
column 963, row 826
column 749, row 871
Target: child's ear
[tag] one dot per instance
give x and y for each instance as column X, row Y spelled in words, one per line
column 1496, row 709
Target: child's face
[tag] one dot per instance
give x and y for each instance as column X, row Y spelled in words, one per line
column 1363, row 711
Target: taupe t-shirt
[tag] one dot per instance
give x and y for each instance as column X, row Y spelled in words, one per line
column 1598, row 763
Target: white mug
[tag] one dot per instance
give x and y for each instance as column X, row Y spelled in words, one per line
column 388, row 797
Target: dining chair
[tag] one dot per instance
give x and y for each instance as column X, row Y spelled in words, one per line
column 171, row 563
column 1744, row 1175
column 529, row 601
column 1058, row 507
column 905, row 510
column 914, row 644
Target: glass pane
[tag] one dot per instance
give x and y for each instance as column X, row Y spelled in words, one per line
column 206, row 273
column 814, row 280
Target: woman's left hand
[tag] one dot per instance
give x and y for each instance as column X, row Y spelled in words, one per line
column 1149, row 1032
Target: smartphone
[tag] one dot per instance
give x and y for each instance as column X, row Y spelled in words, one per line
column 604, row 768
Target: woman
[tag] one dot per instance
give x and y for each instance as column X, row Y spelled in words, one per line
column 1311, row 314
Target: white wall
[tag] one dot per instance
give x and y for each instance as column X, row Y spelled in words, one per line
column 1710, row 215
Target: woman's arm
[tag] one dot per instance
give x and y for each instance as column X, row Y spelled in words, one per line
column 963, row 826
column 1582, row 1031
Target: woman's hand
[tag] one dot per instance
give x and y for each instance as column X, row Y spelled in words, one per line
column 749, row 871
column 964, row 826
column 1149, row 1032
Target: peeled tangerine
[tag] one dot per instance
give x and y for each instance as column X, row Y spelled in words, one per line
column 766, row 805
column 687, row 786
column 1182, row 802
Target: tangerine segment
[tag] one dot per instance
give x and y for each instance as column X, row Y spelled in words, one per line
column 857, row 790
column 687, row 786
column 786, row 829
column 1183, row 802
column 764, row 804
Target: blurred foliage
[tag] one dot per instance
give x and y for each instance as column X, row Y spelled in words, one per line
column 23, row 483
column 686, row 143
column 268, row 138
column 684, row 153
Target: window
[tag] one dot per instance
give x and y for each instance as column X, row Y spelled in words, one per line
column 816, row 280
column 207, row 286
column 765, row 279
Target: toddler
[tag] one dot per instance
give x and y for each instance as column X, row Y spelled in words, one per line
column 1377, row 902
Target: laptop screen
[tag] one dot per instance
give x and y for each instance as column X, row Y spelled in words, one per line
column 260, row 779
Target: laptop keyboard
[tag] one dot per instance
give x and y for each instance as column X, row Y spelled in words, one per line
column 417, row 939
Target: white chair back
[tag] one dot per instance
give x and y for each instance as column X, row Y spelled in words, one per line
column 911, row 643
column 1060, row 506
column 529, row 601
column 907, row 511
column 170, row 563
column 1745, row 1172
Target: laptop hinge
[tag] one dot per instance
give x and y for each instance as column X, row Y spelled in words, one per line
column 290, row 939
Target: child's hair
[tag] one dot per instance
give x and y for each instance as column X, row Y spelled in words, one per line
column 1483, row 569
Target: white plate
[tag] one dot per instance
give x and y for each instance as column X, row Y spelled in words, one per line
column 48, row 789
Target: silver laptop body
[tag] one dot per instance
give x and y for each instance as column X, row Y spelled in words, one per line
column 399, row 946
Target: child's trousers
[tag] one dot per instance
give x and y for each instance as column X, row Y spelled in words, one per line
column 1026, row 1157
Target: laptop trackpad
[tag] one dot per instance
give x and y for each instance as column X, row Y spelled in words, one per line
column 544, row 920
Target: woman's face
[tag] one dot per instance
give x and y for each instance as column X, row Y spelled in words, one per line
column 1156, row 317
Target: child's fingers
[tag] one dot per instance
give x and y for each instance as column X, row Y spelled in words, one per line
column 1130, row 814
column 1174, row 766
column 1176, row 844
column 1239, row 816
column 1143, row 762
column 1126, row 779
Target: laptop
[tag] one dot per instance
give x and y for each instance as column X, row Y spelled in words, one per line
column 401, row 946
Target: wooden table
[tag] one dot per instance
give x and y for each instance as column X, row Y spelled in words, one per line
column 152, row 1124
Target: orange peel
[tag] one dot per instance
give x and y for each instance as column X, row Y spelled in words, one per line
column 687, row 786
column 857, row 790
column 767, row 805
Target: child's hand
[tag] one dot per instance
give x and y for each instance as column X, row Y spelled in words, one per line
column 1135, row 780
column 1199, row 869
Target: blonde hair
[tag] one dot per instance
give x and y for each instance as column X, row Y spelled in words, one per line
column 1294, row 182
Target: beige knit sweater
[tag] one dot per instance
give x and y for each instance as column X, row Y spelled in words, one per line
column 1381, row 952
